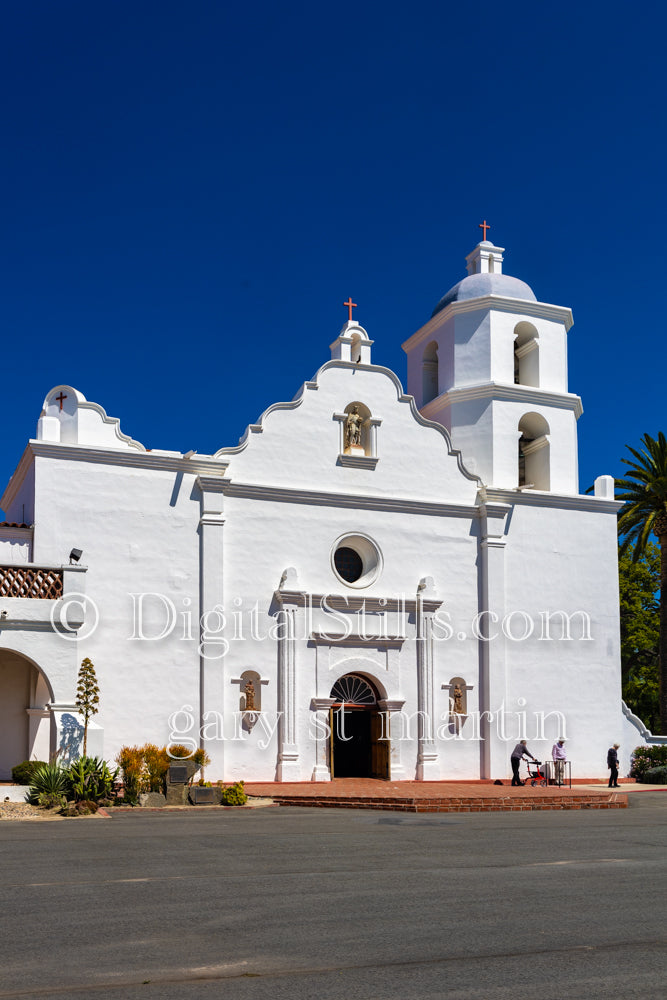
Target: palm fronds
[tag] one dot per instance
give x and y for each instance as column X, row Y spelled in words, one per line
column 644, row 490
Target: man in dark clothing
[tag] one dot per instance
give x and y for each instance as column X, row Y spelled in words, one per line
column 612, row 764
column 519, row 750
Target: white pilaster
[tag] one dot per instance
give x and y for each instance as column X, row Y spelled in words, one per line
column 39, row 733
column 428, row 764
column 493, row 688
column 396, row 766
column 322, row 707
column 288, row 768
column 211, row 605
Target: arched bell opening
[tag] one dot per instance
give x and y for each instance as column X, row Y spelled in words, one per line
column 534, row 458
column 430, row 373
column 359, row 741
column 526, row 354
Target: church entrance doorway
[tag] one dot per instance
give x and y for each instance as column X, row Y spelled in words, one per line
column 359, row 741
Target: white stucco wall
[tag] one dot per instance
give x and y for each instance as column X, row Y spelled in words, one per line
column 565, row 560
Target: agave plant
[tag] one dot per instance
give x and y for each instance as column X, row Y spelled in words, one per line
column 90, row 779
column 47, row 779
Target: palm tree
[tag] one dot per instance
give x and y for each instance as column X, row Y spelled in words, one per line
column 644, row 491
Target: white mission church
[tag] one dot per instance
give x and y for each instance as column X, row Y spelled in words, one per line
column 374, row 582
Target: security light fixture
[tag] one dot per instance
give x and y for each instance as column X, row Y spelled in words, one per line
column 189, row 454
column 75, row 555
column 4, row 614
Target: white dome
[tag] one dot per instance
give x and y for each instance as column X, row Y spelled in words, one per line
column 477, row 285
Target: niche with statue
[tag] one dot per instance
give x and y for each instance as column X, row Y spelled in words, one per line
column 358, row 435
column 457, row 691
column 250, row 697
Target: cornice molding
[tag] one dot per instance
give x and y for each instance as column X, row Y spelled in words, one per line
column 355, row 602
column 212, row 484
column 358, row 461
column 500, row 303
column 355, row 639
column 564, row 501
column 197, row 465
column 17, row 624
column 501, row 390
column 321, row 498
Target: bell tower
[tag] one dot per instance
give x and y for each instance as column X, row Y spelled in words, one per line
column 491, row 366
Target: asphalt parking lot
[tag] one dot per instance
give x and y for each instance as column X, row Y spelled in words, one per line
column 301, row 903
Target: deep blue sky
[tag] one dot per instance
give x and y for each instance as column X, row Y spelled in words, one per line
column 190, row 191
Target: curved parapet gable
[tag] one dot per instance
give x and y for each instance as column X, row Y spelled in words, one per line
column 68, row 418
column 308, row 441
column 644, row 733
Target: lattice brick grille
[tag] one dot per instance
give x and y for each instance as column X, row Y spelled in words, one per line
column 19, row 581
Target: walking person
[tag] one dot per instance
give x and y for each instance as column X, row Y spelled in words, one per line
column 612, row 764
column 559, row 757
column 518, row 753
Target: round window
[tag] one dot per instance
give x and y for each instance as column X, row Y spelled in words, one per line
column 356, row 560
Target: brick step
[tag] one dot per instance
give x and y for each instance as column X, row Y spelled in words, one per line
column 456, row 804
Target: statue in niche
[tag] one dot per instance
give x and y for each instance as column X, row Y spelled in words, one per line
column 250, row 697
column 458, row 700
column 353, row 428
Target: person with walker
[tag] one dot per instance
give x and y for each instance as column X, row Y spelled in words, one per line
column 518, row 753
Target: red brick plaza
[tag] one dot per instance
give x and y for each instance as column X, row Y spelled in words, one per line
column 436, row 796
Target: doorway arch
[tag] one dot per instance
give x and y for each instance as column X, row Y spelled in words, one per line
column 359, row 743
column 25, row 728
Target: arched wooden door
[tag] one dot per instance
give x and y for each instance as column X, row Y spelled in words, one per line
column 359, row 742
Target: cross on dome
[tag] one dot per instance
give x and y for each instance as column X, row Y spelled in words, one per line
column 484, row 226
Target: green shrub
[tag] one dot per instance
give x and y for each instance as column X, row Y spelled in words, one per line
column 47, row 800
column 177, row 751
column 47, row 779
column 81, row 808
column 655, row 776
column 156, row 761
column 22, row 773
column 131, row 760
column 645, row 757
column 144, row 769
column 234, row 795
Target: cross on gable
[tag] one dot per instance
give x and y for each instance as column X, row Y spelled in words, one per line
column 61, row 399
column 350, row 305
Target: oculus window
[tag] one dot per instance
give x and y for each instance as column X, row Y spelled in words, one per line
column 356, row 560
